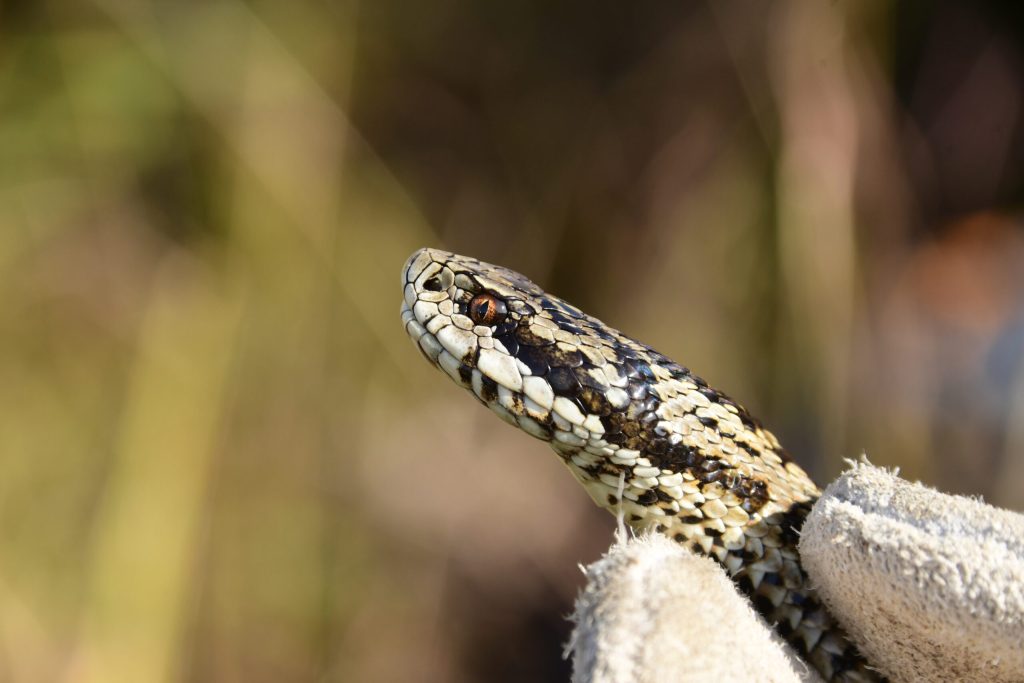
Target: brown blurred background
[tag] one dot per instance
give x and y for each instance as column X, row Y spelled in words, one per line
column 221, row 458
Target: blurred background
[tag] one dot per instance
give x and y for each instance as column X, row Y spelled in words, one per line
column 220, row 457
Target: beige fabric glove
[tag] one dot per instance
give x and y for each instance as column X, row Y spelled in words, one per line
column 931, row 586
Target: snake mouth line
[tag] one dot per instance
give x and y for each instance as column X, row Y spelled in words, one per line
column 407, row 315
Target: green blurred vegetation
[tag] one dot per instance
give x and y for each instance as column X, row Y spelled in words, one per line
column 221, row 459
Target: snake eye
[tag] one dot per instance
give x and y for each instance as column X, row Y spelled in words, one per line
column 487, row 309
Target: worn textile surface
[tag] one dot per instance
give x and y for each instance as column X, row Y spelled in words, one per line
column 930, row 585
column 654, row 611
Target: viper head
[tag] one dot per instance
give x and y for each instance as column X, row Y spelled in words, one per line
column 534, row 359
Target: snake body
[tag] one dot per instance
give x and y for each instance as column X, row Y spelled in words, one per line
column 687, row 460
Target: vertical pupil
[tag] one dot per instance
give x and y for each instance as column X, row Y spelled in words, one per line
column 486, row 310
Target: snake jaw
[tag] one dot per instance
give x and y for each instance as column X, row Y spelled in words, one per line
column 645, row 437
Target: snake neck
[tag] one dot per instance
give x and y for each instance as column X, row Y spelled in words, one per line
column 757, row 548
column 693, row 465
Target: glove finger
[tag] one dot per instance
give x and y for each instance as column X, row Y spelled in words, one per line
column 654, row 611
column 931, row 586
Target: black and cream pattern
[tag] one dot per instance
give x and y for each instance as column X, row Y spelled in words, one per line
column 696, row 466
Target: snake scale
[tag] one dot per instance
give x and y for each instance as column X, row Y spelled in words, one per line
column 689, row 462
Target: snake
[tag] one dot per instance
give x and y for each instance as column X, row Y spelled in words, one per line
column 648, row 439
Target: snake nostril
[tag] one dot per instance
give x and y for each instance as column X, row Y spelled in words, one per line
column 433, row 284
